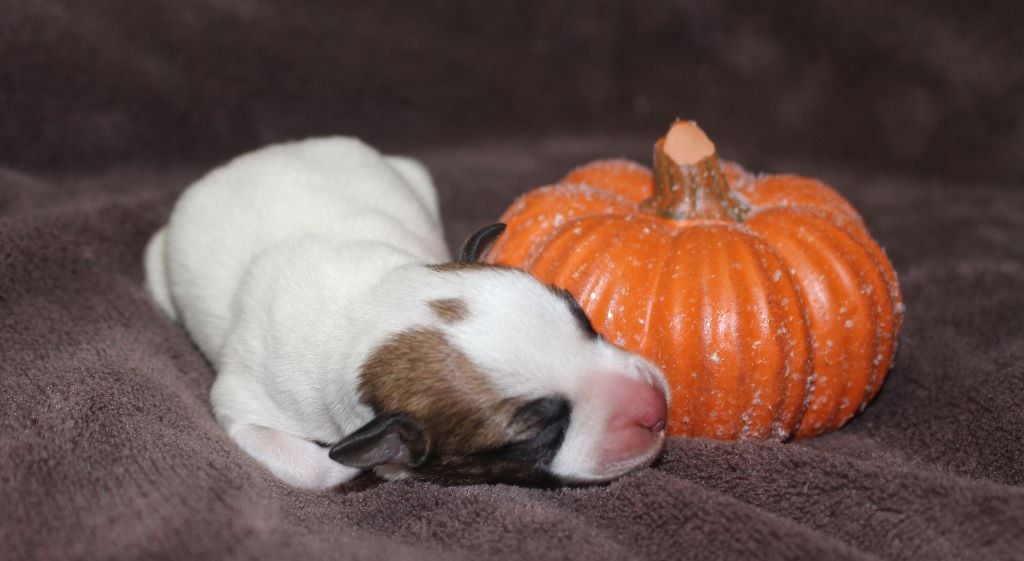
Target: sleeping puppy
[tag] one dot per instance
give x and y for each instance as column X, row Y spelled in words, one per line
column 314, row 277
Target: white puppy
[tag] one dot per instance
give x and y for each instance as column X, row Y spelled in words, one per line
column 314, row 277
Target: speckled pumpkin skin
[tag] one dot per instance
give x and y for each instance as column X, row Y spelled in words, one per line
column 781, row 326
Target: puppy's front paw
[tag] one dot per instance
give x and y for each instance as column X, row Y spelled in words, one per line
column 335, row 474
column 292, row 459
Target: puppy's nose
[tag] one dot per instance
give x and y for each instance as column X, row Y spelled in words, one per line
column 635, row 422
column 644, row 405
column 636, row 404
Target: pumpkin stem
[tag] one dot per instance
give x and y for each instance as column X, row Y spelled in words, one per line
column 688, row 181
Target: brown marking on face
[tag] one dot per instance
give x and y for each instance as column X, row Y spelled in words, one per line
column 419, row 372
column 450, row 310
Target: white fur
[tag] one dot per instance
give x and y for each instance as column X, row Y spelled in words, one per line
column 289, row 265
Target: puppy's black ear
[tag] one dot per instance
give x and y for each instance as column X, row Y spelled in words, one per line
column 476, row 245
column 390, row 438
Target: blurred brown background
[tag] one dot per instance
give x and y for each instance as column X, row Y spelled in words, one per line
column 922, row 87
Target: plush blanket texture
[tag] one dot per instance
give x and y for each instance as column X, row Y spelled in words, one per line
column 108, row 449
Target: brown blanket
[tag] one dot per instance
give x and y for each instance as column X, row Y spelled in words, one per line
column 108, row 449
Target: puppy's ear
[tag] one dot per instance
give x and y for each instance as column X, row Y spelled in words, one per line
column 476, row 245
column 390, row 438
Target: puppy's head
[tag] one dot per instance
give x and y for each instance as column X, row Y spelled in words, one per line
column 507, row 382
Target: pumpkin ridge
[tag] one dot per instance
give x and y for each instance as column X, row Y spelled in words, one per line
column 798, row 193
column 838, row 353
column 779, row 329
column 620, row 176
column 563, row 223
column 595, row 240
column 876, row 320
column 838, row 277
column 889, row 275
column 727, row 346
column 552, row 244
column 543, row 243
column 706, row 312
column 806, row 388
column 884, row 323
column 531, row 212
column 743, row 419
column 793, row 255
column 885, row 315
column 722, row 360
column 681, row 315
column 656, row 289
column 755, row 274
column 840, row 266
column 800, row 371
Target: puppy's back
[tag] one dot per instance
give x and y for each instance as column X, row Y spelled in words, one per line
column 336, row 190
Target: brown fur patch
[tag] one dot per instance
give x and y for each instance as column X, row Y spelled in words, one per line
column 466, row 420
column 421, row 373
column 450, row 310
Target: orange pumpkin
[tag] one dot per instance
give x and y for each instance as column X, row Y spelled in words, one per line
column 768, row 305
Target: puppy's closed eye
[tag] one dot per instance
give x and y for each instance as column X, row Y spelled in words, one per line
column 542, row 412
column 540, row 425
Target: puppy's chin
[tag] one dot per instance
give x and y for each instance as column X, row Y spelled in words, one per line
column 575, row 470
column 621, row 467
